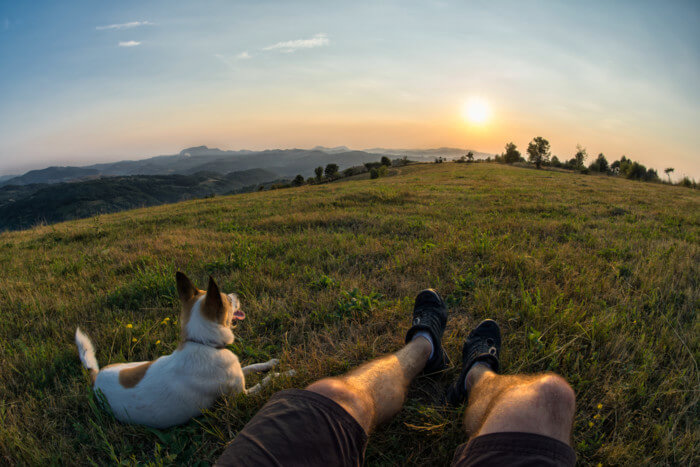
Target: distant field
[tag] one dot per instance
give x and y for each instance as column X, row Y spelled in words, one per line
column 596, row 278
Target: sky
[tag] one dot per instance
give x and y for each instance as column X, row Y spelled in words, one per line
column 92, row 81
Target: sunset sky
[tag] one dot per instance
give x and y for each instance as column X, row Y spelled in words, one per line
column 84, row 82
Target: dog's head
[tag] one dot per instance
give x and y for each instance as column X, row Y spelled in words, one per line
column 207, row 316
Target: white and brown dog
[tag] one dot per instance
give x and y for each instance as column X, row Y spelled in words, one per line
column 176, row 387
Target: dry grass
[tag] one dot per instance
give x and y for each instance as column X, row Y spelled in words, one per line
column 592, row 277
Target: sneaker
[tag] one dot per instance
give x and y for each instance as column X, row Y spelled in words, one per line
column 483, row 344
column 430, row 315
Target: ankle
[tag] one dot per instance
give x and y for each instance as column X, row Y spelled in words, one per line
column 426, row 340
column 478, row 372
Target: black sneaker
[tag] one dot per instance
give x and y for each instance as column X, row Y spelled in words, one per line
column 430, row 315
column 483, row 344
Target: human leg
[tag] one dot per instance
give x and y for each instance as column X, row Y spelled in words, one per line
column 523, row 419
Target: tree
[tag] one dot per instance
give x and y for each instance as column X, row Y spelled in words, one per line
column 331, row 170
column 555, row 162
column 319, row 172
column 538, row 151
column 298, row 180
column 386, row 161
column 580, row 156
column 668, row 172
column 470, row 156
column 373, row 173
column 512, row 154
column 600, row 164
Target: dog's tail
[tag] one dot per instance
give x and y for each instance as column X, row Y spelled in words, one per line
column 87, row 354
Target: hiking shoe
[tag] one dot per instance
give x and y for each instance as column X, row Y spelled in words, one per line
column 483, row 344
column 430, row 315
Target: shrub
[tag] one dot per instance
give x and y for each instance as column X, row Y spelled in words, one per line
column 373, row 173
column 331, row 171
column 511, row 155
column 298, row 180
column 386, row 161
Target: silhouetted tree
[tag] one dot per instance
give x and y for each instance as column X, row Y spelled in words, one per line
column 319, row 173
column 298, row 180
column 538, row 151
column 470, row 156
column 668, row 172
column 600, row 164
column 331, row 170
column 512, row 154
column 373, row 173
column 555, row 162
column 580, row 156
column 386, row 161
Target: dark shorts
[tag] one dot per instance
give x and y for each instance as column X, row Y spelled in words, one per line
column 303, row 428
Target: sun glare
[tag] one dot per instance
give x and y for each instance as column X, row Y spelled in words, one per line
column 476, row 110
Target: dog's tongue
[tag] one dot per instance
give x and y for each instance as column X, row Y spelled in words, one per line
column 238, row 314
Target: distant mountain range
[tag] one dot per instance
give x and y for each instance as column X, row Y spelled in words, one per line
column 55, row 194
column 283, row 162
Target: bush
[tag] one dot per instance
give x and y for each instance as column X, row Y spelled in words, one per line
column 331, row 171
column 386, row 161
column 298, row 180
column 373, row 173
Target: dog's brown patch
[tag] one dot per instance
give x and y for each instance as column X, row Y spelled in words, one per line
column 185, row 315
column 216, row 305
column 130, row 377
column 93, row 376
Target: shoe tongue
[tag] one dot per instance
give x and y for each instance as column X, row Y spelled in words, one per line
column 427, row 298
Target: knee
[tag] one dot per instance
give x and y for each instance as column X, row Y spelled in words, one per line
column 355, row 402
column 556, row 395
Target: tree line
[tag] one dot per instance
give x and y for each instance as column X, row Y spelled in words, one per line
column 539, row 154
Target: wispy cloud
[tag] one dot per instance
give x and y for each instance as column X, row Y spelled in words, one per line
column 129, row 25
column 243, row 55
column 129, row 43
column 319, row 40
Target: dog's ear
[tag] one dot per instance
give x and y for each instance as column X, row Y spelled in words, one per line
column 212, row 302
column 184, row 287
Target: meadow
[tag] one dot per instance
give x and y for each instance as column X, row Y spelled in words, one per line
column 593, row 277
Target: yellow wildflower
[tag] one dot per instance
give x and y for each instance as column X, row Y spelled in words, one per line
column 596, row 416
column 599, row 464
column 158, row 342
column 129, row 326
column 133, row 339
column 590, row 424
column 600, row 406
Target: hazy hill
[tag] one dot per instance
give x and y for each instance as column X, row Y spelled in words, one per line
column 26, row 205
column 52, row 175
column 593, row 277
column 284, row 162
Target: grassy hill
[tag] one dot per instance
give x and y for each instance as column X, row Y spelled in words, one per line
column 24, row 206
column 592, row 277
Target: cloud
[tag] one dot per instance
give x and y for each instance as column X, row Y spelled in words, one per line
column 129, row 25
column 319, row 40
column 243, row 55
column 129, row 43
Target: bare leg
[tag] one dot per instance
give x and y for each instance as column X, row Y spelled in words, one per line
column 542, row 404
column 375, row 391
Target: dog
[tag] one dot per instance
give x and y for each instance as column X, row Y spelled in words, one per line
column 177, row 387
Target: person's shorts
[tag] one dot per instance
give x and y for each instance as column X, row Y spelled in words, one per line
column 303, row 428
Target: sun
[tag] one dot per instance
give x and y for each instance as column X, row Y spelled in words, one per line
column 476, row 110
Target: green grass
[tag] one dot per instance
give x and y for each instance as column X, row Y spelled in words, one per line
column 592, row 277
